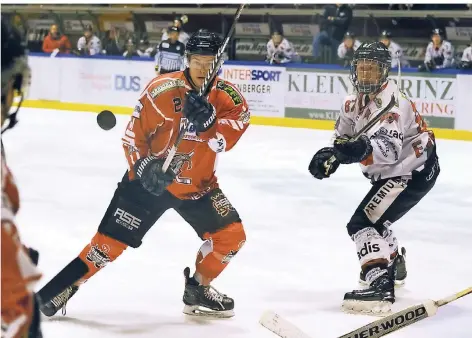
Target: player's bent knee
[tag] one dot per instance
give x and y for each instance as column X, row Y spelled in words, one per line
column 219, row 248
column 127, row 223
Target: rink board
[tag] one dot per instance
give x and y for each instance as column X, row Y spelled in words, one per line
column 291, row 95
column 450, row 134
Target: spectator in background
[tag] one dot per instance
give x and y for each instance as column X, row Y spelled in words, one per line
column 334, row 24
column 144, row 50
column 280, row 50
column 439, row 53
column 396, row 52
column 89, row 44
column 178, row 22
column 111, row 43
column 170, row 53
column 131, row 49
column 56, row 42
column 347, row 48
column 466, row 61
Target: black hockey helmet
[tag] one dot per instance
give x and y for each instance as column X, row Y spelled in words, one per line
column 386, row 34
column 438, row 31
column 349, row 35
column 203, row 42
column 16, row 73
column 376, row 63
column 173, row 29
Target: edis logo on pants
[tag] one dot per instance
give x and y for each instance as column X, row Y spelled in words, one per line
column 127, row 83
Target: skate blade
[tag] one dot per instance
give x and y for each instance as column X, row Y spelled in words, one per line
column 199, row 311
column 371, row 308
column 364, row 285
column 399, row 283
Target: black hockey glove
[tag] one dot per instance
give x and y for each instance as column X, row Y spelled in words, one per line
column 317, row 168
column 347, row 151
column 199, row 112
column 149, row 172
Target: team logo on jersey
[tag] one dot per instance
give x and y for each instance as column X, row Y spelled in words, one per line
column 378, row 102
column 178, row 163
column 233, row 93
column 171, row 84
column 191, row 133
column 390, row 117
column 245, row 115
column 98, row 256
column 222, row 205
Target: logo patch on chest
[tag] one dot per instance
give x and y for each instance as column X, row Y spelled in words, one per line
column 191, row 133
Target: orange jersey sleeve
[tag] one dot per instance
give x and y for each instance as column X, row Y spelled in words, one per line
column 233, row 115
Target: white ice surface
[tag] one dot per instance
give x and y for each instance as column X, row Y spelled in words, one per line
column 298, row 259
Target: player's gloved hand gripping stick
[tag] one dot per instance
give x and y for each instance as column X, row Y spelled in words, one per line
column 217, row 62
column 366, row 128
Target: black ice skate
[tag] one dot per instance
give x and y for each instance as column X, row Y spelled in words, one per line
column 375, row 300
column 59, row 302
column 397, row 270
column 206, row 301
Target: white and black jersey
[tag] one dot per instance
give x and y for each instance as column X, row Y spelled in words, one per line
column 442, row 56
column 284, row 52
column 401, row 142
column 170, row 56
column 467, row 54
column 396, row 52
column 344, row 52
column 183, row 37
column 92, row 46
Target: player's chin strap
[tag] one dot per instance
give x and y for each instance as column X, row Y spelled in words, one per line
column 11, row 119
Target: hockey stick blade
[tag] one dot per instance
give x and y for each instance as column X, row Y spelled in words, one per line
column 217, row 61
column 364, row 129
column 400, row 319
column 281, row 327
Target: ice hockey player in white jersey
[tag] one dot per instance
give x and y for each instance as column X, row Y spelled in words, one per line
column 89, row 43
column 439, row 53
column 178, row 22
column 280, row 50
column 466, row 60
column 398, row 155
column 347, row 48
column 395, row 50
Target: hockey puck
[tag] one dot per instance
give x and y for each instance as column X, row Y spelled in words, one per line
column 106, row 120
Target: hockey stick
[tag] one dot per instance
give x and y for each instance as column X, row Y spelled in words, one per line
column 400, row 319
column 376, row 329
column 206, row 82
column 367, row 127
column 280, row 326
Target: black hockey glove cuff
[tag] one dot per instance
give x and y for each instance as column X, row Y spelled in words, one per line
column 317, row 165
column 149, row 171
column 348, row 152
column 199, row 112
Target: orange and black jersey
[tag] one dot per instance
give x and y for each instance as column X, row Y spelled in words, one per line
column 156, row 121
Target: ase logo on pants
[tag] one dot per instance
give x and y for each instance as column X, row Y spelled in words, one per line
column 126, row 219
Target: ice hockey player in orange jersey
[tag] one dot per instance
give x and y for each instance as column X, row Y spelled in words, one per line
column 20, row 308
column 217, row 121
